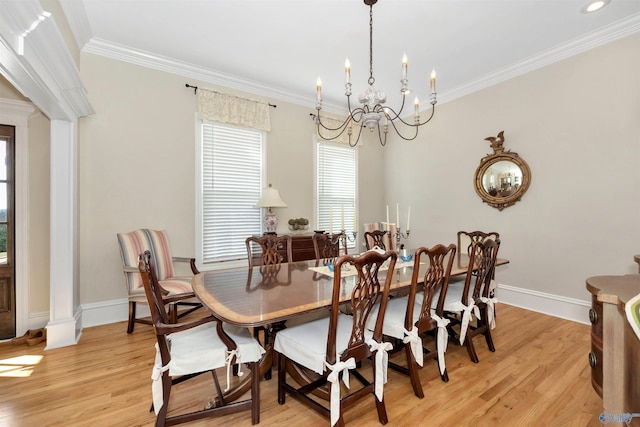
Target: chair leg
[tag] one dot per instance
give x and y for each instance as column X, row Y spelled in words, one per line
column 255, row 393
column 413, row 372
column 468, row 340
column 166, row 392
column 132, row 317
column 380, row 406
column 282, row 376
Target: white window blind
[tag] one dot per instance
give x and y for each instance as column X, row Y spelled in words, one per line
column 336, row 187
column 232, row 162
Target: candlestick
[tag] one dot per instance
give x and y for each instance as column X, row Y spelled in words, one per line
column 331, row 220
column 342, row 216
column 398, row 215
column 409, row 218
column 387, row 226
column 355, row 220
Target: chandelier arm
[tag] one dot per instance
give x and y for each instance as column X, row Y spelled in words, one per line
column 400, row 133
column 383, row 142
column 357, row 139
column 330, row 138
column 343, row 125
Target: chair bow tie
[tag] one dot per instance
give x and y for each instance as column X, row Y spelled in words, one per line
column 156, row 384
column 466, row 316
column 334, row 379
column 382, row 361
column 491, row 309
column 415, row 343
column 227, row 361
column 442, row 340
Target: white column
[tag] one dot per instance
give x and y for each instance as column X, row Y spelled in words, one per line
column 65, row 321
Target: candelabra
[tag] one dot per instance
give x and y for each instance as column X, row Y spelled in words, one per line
column 400, row 235
column 342, row 238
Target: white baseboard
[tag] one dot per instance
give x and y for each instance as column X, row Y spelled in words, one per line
column 102, row 313
column 541, row 302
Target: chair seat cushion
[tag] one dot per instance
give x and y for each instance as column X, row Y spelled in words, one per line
column 393, row 325
column 200, row 349
column 454, row 295
column 306, row 344
column 197, row 349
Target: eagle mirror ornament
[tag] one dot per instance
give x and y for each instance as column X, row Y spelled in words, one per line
column 502, row 177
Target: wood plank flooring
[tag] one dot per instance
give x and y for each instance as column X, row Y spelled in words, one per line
column 538, row 376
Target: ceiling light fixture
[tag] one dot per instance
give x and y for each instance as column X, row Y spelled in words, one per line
column 592, row 6
column 373, row 113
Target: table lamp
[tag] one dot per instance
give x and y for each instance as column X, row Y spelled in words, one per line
column 270, row 199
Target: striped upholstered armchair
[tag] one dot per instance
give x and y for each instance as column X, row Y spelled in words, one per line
column 135, row 243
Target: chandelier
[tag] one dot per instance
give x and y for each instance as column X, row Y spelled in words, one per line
column 373, row 114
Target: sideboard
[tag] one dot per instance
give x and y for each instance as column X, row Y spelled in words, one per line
column 615, row 348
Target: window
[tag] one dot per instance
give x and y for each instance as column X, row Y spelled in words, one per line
column 231, row 183
column 336, row 172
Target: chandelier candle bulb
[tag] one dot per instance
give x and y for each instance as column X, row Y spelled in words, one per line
column 319, row 89
column 432, row 81
column 404, row 66
column 347, row 70
column 416, row 105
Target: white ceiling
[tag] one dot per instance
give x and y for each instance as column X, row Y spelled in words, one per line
column 278, row 48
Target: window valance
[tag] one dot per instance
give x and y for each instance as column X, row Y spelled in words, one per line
column 223, row 108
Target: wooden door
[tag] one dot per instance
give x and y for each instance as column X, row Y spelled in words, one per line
column 7, row 233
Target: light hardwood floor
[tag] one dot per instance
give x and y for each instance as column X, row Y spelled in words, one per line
column 538, row 376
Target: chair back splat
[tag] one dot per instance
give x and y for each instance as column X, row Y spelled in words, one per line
column 333, row 345
column 326, row 246
column 274, row 249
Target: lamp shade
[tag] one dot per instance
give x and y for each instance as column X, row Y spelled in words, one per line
column 270, row 199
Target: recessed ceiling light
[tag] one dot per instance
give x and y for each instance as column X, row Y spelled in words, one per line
column 592, row 6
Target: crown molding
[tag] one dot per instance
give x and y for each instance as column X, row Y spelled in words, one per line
column 604, row 35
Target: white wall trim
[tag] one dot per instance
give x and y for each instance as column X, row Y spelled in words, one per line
column 105, row 312
column 541, row 302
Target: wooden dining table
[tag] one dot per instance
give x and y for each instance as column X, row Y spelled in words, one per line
column 261, row 296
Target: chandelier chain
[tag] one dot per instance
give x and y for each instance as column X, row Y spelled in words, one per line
column 372, row 80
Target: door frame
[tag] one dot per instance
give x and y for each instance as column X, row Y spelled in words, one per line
column 16, row 113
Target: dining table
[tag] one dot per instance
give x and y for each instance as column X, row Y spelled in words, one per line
column 271, row 295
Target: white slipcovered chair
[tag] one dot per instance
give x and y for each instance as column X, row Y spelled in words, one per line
column 185, row 350
column 331, row 346
column 407, row 320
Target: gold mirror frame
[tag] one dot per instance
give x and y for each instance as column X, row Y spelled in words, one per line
column 509, row 187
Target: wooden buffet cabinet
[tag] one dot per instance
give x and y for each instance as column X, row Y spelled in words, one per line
column 615, row 348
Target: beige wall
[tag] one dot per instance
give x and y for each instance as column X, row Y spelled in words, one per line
column 577, row 125
column 137, row 166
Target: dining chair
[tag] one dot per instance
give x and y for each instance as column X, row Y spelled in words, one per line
column 376, row 238
column 464, row 301
column 332, row 346
column 274, row 250
column 179, row 288
column 187, row 349
column 326, row 246
column 407, row 320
